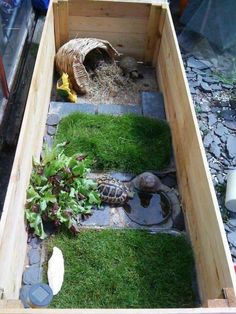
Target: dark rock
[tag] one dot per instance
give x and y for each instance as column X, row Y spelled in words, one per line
column 53, row 119
column 231, row 146
column 24, row 295
column 208, row 139
column 31, row 275
column 51, row 130
column 220, row 130
column 34, row 256
column 194, row 63
column 153, row 105
column 231, row 125
column 212, row 119
column 215, row 150
column 205, row 87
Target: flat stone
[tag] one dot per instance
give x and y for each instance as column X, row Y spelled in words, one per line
column 205, row 108
column 210, row 80
column 31, row 275
column 223, row 139
column 212, row 119
column 99, row 218
column 35, row 242
column 220, row 130
column 191, row 75
column 215, row 150
column 197, row 71
column 121, row 176
column 232, row 238
column 192, row 90
column 194, row 63
column 34, row 256
column 114, row 109
column 230, row 125
column 232, row 222
column 220, row 178
column 228, row 115
column 153, row 105
column 205, row 87
column 24, row 295
column 208, row 139
column 231, row 146
column 216, row 87
column 63, row 109
column 51, row 130
column 48, row 140
column 233, row 102
column 227, row 86
column 53, row 119
column 214, row 166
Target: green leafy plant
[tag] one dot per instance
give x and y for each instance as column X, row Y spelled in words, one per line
column 59, row 191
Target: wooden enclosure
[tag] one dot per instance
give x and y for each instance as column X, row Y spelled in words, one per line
column 142, row 29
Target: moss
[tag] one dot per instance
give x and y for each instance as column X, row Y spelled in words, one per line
column 124, row 269
column 126, row 143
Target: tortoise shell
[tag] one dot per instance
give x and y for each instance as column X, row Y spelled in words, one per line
column 129, row 66
column 112, row 191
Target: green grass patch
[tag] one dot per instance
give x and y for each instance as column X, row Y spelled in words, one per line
column 124, row 269
column 126, row 143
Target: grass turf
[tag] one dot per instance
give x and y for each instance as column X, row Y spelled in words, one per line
column 126, row 143
column 124, row 269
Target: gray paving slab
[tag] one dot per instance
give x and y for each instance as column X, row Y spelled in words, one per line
column 153, row 105
column 116, row 109
column 64, row 109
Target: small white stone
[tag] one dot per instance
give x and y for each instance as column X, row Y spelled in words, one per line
column 56, row 270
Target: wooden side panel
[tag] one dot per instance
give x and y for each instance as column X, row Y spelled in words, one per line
column 124, row 24
column 212, row 255
column 13, row 237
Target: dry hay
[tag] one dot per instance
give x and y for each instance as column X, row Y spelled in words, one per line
column 107, row 84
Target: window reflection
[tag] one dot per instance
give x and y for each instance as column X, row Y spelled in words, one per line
column 15, row 16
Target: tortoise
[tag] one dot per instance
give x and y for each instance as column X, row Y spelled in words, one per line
column 113, row 191
column 129, row 66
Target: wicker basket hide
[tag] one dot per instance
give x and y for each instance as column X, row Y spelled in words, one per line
column 71, row 56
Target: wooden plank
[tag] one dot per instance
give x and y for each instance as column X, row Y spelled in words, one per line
column 63, row 13
column 132, row 44
column 212, row 255
column 160, row 29
column 56, row 24
column 108, row 9
column 152, row 32
column 13, row 237
column 121, row 311
column 108, row 24
column 11, row 304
